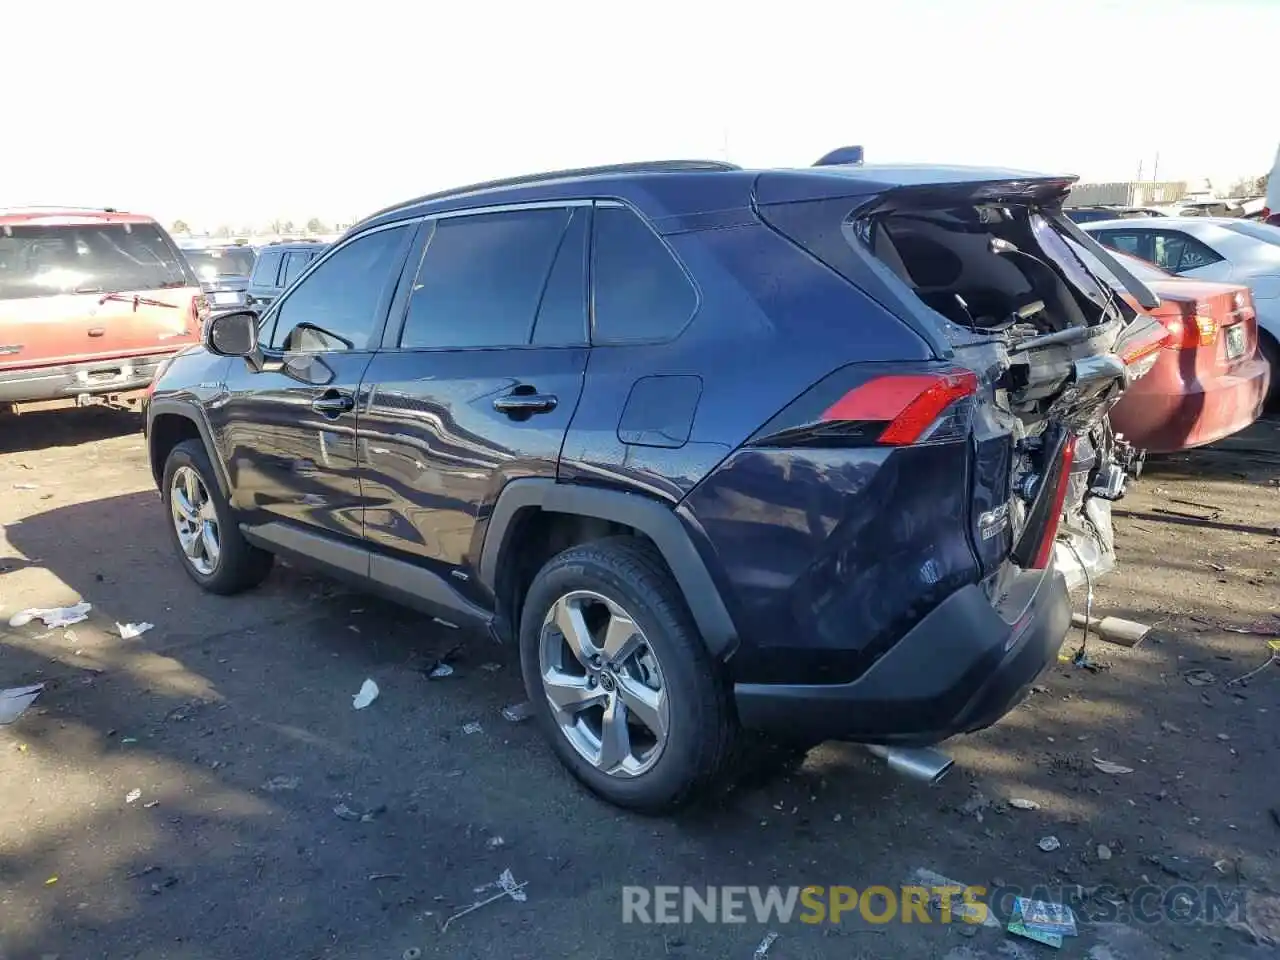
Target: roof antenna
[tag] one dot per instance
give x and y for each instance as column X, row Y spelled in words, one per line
column 841, row 156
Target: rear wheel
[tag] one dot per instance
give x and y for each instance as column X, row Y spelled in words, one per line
column 1271, row 351
column 213, row 551
column 620, row 679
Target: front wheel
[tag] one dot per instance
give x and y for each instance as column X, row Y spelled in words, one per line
column 620, row 679
column 213, row 551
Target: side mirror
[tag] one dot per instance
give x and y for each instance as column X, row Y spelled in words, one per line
column 232, row 334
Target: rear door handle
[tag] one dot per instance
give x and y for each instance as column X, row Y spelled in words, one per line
column 331, row 403
column 515, row 404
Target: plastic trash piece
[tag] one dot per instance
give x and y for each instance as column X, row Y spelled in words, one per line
column 133, row 795
column 1049, row 844
column 131, row 631
column 1106, row 766
column 518, row 712
column 1042, row 921
column 508, row 888
column 440, row 671
column 53, row 616
column 1018, row 803
column 368, row 693
column 473, row 727
column 15, row 700
column 762, row 951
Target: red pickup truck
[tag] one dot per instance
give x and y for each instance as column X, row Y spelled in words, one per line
column 91, row 302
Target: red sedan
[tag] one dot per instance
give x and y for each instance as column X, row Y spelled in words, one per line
column 1208, row 380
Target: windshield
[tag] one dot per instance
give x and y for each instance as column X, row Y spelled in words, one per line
column 44, row 261
column 215, row 262
column 1259, row 231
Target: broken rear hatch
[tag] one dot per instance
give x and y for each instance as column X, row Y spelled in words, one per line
column 979, row 265
column 83, row 292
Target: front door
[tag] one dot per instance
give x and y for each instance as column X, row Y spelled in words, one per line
column 289, row 431
column 478, row 385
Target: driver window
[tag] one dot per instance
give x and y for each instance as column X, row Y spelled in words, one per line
column 336, row 307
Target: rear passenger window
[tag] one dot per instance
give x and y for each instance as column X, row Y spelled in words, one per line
column 640, row 292
column 482, row 278
column 267, row 268
column 562, row 315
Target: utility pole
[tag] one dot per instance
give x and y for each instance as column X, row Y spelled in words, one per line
column 1155, row 170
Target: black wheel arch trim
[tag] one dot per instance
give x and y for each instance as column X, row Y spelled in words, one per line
column 655, row 520
column 169, row 406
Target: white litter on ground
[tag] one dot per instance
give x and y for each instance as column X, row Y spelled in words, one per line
column 368, row 693
column 133, row 795
column 928, row 878
column 763, row 950
column 508, row 888
column 131, row 631
column 53, row 616
column 15, row 700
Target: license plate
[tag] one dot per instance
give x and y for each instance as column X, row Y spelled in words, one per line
column 1235, row 341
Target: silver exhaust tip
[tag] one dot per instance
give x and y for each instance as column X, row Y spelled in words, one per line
column 918, row 763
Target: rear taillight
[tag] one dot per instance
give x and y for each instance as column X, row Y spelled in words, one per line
column 1187, row 333
column 916, row 408
column 1045, row 550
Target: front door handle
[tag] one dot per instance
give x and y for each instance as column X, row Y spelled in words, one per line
column 524, row 404
column 331, row 403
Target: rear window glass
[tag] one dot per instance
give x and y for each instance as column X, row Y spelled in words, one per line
column 43, row 261
column 215, row 262
column 1259, row 231
column 641, row 292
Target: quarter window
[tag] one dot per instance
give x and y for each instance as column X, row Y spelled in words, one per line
column 640, row 292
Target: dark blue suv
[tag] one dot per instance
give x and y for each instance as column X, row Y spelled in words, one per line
column 721, row 450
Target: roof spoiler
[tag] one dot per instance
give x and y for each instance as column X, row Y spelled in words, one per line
column 841, row 156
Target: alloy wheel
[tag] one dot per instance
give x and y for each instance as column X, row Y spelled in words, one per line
column 195, row 520
column 604, row 684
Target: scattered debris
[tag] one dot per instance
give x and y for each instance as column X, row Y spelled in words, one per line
column 1019, row 803
column 975, row 914
column 344, row 812
column 51, row 881
column 1168, row 727
column 762, row 951
column 518, row 712
column 26, row 486
column 142, row 873
column 1274, row 647
column 440, row 670
column 490, row 667
column 1199, row 678
column 1049, row 844
column 977, row 802
column 53, row 617
column 133, row 795
column 1042, row 922
column 440, row 667
column 1104, row 852
column 413, row 953
column 156, row 888
column 151, row 803
column 277, row 784
column 1107, row 766
column 368, row 693
column 509, row 888
column 373, row 877
column 132, row 631
column 472, row 727
column 15, row 700
column 495, row 843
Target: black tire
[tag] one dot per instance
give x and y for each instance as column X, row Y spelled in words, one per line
column 702, row 726
column 240, row 565
column 1271, row 352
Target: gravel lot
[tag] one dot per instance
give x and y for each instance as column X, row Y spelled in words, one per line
column 232, row 721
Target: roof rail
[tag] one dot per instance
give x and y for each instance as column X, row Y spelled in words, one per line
column 57, row 206
column 841, row 156
column 643, row 166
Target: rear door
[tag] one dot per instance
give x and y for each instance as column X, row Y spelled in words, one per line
column 89, row 291
column 478, row 384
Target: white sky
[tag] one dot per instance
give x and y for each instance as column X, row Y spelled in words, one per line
column 161, row 107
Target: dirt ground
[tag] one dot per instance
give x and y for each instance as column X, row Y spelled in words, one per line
column 174, row 795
